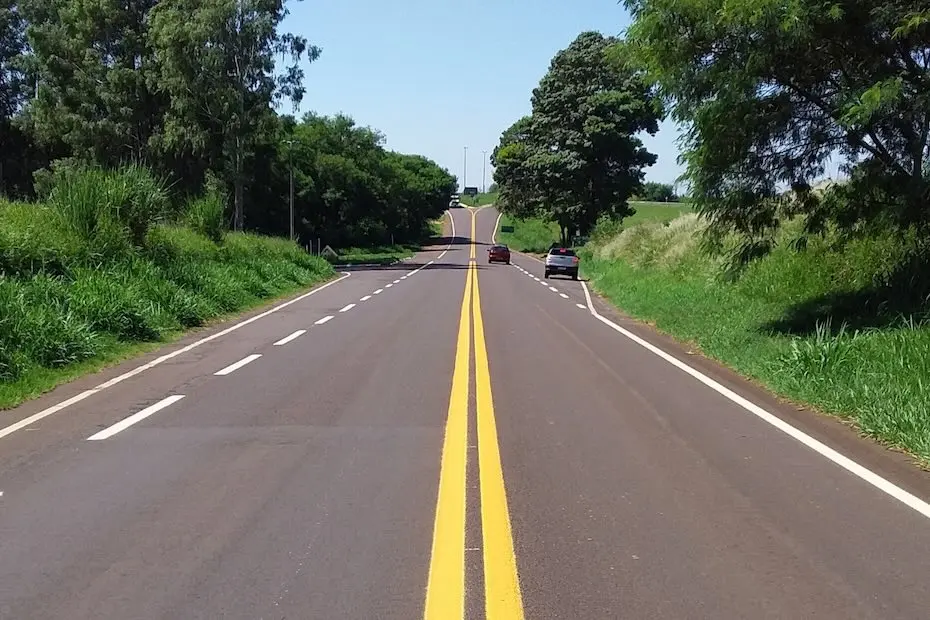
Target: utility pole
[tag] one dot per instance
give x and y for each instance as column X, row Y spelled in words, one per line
column 290, row 151
column 465, row 171
column 484, row 166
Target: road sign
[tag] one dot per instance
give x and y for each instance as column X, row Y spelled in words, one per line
column 471, row 191
column 328, row 252
column 507, row 229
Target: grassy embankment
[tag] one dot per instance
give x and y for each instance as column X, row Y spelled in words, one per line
column 104, row 270
column 535, row 236
column 383, row 255
column 481, row 200
column 843, row 330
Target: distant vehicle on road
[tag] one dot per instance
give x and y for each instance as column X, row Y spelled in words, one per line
column 499, row 253
column 562, row 260
column 454, row 201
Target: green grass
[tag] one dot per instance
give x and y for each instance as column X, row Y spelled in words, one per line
column 481, row 200
column 535, row 236
column 828, row 327
column 80, row 289
column 379, row 254
column 531, row 235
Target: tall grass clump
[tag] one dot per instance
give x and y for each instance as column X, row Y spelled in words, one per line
column 843, row 325
column 100, row 267
column 206, row 214
column 111, row 210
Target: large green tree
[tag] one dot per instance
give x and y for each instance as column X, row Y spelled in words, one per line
column 579, row 156
column 93, row 63
column 215, row 61
column 772, row 90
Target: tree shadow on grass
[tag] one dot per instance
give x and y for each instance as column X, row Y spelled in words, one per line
column 903, row 296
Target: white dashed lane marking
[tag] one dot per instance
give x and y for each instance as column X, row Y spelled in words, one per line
column 325, row 319
column 134, row 418
column 347, row 308
column 234, row 367
column 365, row 298
column 294, row 336
column 379, row 291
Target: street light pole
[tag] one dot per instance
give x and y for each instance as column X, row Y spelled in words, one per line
column 465, row 171
column 290, row 150
column 484, row 167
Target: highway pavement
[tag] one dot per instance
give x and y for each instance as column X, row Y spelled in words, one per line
column 443, row 438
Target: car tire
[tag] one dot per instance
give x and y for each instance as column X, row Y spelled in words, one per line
column 575, row 275
column 547, row 275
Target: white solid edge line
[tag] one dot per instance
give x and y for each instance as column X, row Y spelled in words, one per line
column 234, row 367
column 365, row 298
column 12, row 428
column 448, row 247
column 497, row 224
column 347, row 308
column 134, row 418
column 294, row 336
column 378, row 292
column 880, row 483
column 325, row 319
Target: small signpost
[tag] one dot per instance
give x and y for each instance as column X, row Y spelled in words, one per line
column 471, row 191
column 328, row 252
column 507, row 229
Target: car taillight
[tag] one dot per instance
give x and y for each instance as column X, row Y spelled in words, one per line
column 574, row 259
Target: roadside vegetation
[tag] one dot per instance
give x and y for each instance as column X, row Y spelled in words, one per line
column 817, row 290
column 480, row 200
column 103, row 266
column 145, row 179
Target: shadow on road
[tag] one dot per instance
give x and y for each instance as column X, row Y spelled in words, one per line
column 405, row 266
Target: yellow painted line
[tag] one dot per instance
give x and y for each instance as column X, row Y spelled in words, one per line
column 445, row 589
column 503, row 600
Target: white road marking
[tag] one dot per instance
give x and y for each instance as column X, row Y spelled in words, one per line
column 234, row 367
column 404, row 277
column 448, row 247
column 563, row 295
column 496, row 226
column 294, row 336
column 397, row 281
column 880, row 483
column 378, row 292
column 134, row 418
column 347, row 308
column 388, row 285
column 12, row 428
column 553, row 289
column 582, row 306
column 325, row 319
column 365, row 298
column 543, row 282
column 536, row 278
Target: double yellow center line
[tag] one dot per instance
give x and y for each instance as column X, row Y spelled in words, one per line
column 445, row 590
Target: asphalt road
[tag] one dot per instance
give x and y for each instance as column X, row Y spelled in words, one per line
column 449, row 439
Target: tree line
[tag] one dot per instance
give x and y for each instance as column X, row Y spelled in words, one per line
column 770, row 95
column 190, row 89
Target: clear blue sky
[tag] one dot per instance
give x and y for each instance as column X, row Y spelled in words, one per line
column 437, row 75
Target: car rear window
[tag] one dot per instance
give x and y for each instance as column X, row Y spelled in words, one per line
column 499, row 247
column 562, row 251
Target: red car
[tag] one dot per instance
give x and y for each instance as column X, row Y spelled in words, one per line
column 499, row 254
